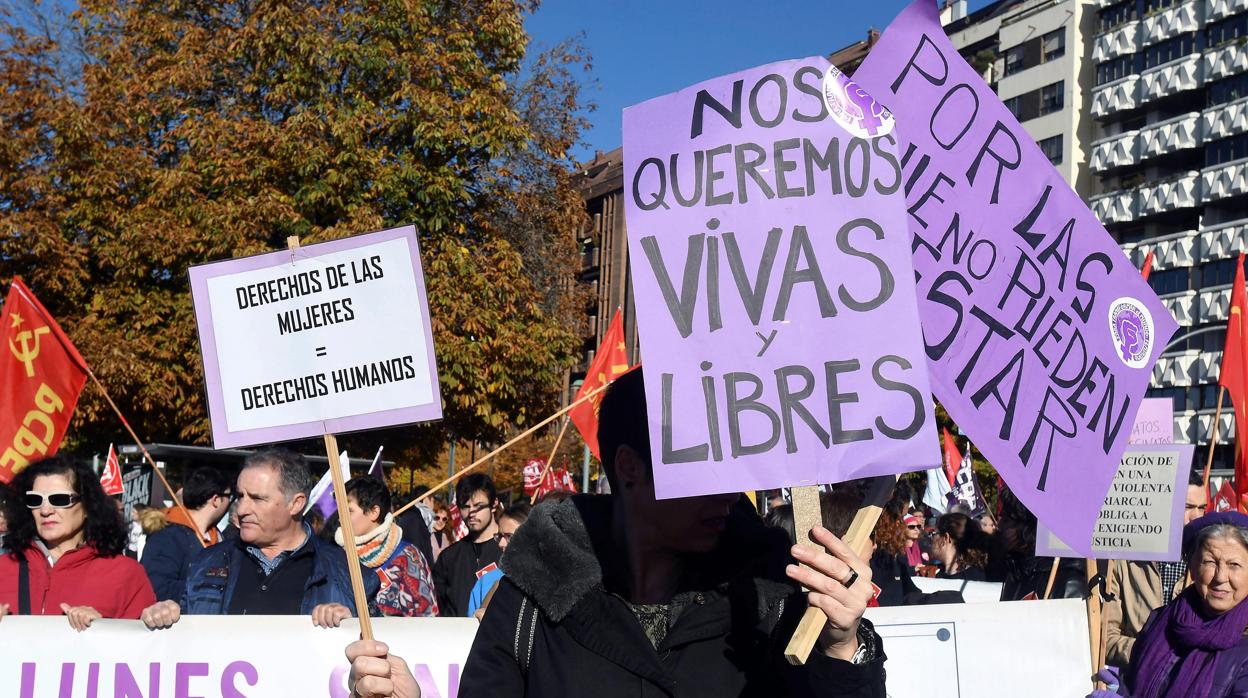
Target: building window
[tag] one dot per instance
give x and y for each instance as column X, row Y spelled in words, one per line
column 1228, row 89
column 1014, row 60
column 1115, row 69
column 1152, row 7
column 1217, row 273
column 1228, row 30
column 1052, row 97
column 1169, row 281
column 1117, row 15
column 1053, row 45
column 1226, row 150
column 1178, row 395
column 1052, row 149
column 1171, row 50
column 1015, row 105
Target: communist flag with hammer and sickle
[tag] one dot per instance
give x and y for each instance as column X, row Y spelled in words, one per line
column 41, row 375
column 609, row 363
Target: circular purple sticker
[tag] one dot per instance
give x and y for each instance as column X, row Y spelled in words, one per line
column 854, row 109
column 1131, row 327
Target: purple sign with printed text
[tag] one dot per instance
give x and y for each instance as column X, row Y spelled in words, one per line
column 775, row 297
column 1040, row 335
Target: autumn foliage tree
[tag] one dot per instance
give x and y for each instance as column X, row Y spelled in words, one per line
column 151, row 136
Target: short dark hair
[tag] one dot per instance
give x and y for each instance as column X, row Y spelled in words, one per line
column 1196, row 478
column 293, row 474
column 518, row 512
column 370, row 492
column 622, row 422
column 103, row 529
column 202, row 484
column 472, row 483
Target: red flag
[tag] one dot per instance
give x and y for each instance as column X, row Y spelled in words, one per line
column 110, row 479
column 1148, row 265
column 610, row 362
column 1224, row 500
column 1234, row 374
column 457, row 522
column 953, row 457
column 556, row 479
column 41, row 375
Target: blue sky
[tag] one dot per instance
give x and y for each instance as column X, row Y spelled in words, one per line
column 646, row 48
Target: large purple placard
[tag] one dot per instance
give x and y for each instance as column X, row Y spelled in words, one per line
column 1040, row 334
column 776, row 302
column 327, row 338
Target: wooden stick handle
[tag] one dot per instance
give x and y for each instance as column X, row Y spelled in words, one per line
column 549, row 461
column 500, row 449
column 1094, row 618
column 348, row 537
column 1048, row 588
column 1213, row 438
column 177, row 501
column 858, row 538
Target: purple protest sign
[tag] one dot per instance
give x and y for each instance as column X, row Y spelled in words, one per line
column 1154, row 423
column 1142, row 514
column 331, row 337
column 1040, row 334
column 775, row 297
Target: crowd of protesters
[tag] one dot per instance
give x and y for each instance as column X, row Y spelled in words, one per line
column 616, row 594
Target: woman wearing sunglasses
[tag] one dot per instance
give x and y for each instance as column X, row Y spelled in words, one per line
column 65, row 549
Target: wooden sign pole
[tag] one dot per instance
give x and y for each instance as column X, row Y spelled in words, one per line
column 550, row 462
column 1094, row 617
column 344, row 516
column 807, row 515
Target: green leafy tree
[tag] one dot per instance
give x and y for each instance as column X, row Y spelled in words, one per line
column 143, row 138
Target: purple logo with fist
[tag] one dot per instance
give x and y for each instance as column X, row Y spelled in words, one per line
column 854, row 109
column 1131, row 327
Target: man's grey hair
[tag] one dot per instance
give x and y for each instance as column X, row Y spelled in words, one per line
column 294, row 476
column 1222, row 531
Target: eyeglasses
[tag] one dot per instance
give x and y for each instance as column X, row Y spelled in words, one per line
column 913, row 527
column 469, row 511
column 439, row 517
column 57, row 500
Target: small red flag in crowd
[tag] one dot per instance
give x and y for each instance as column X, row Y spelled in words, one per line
column 110, row 478
column 1148, row 265
column 610, row 362
column 457, row 522
column 1224, row 500
column 1234, row 374
column 41, row 375
column 556, row 479
column 953, row 457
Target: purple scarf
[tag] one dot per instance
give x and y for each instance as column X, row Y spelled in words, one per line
column 1181, row 633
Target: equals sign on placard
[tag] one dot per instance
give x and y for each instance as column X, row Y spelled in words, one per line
column 320, row 351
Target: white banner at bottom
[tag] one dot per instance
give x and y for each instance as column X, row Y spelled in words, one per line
column 939, row 651
column 208, row 656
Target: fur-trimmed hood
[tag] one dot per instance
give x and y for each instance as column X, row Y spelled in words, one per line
column 558, row 556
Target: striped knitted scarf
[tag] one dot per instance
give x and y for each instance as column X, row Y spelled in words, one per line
column 376, row 546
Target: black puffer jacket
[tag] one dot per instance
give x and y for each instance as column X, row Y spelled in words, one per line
column 553, row 629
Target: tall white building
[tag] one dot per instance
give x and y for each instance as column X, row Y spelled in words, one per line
column 1170, row 175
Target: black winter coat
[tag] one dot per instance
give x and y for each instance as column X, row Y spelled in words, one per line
column 553, row 629
column 455, row 573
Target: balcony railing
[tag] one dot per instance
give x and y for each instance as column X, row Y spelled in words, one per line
column 1169, row 79
column 1225, row 60
column 1116, row 96
column 1172, row 251
column 1217, row 9
column 1170, row 195
column 1213, row 305
column 1203, row 424
column 1225, row 120
column 1222, row 181
column 1173, row 371
column 1116, row 151
column 1115, row 207
column 1179, row 19
column 1117, row 42
column 1221, row 242
column 1170, row 136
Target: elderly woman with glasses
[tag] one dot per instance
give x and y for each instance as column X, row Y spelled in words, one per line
column 1195, row 646
column 65, row 545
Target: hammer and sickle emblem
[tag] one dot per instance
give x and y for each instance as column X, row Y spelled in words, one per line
column 22, row 349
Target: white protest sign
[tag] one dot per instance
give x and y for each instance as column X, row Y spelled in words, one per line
column 231, row 657
column 1142, row 517
column 331, row 337
column 1154, row 423
column 1023, row 649
column 972, row 592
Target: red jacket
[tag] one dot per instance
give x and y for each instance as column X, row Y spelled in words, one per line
column 117, row 586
